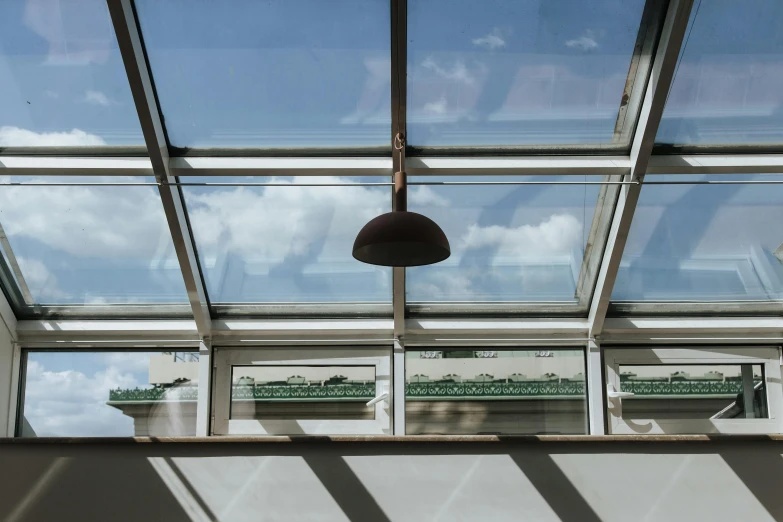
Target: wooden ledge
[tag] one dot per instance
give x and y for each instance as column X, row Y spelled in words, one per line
column 409, row 439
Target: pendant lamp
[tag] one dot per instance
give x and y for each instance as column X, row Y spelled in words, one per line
column 401, row 238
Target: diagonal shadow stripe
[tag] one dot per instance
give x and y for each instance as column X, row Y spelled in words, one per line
column 762, row 473
column 550, row 481
column 346, row 489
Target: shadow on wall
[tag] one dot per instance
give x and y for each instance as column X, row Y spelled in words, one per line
column 582, row 481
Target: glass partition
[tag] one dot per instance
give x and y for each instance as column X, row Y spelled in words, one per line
column 495, row 392
column 694, row 391
column 64, row 84
column 302, row 392
column 108, row 394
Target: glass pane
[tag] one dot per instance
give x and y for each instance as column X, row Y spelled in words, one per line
column 527, row 72
column 63, row 81
column 287, row 244
column 495, row 392
column 727, row 87
column 274, row 74
column 704, row 242
column 89, row 245
column 302, row 392
column 694, row 391
column 508, row 242
column 109, row 394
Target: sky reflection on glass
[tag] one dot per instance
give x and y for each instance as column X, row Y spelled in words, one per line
column 91, row 245
column 526, row 72
column 281, row 73
column 62, row 81
column 287, row 244
column 66, row 395
column 729, row 83
column 508, row 242
column 704, row 242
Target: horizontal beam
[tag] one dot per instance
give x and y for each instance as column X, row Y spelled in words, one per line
column 73, row 166
column 491, row 332
column 716, row 164
column 673, row 330
column 280, row 166
column 249, row 331
column 33, row 331
column 530, row 165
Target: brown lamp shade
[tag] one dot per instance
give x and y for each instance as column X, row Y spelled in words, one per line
column 401, row 239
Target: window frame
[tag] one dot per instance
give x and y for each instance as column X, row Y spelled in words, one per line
column 225, row 358
column 768, row 357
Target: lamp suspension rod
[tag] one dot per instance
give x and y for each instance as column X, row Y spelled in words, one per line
column 400, row 178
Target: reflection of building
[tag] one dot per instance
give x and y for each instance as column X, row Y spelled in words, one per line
column 168, row 408
column 456, row 392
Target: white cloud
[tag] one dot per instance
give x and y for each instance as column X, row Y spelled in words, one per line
column 51, row 94
column 16, row 137
column 437, row 107
column 424, row 196
column 41, row 282
column 71, row 403
column 96, row 98
column 493, row 40
column 586, row 42
column 457, row 73
column 267, row 225
column 557, row 235
column 84, row 221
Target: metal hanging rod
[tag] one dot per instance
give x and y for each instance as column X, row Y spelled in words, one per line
column 523, row 183
column 717, row 182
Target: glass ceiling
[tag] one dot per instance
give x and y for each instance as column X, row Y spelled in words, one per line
column 287, row 243
column 280, row 84
column 704, row 242
column 87, row 245
column 505, row 73
column 63, row 82
column 508, row 242
column 729, row 82
column 281, row 74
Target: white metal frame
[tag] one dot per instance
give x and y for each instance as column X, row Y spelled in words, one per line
column 769, row 358
column 226, row 359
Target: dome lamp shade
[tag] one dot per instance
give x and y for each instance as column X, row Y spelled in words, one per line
column 401, row 238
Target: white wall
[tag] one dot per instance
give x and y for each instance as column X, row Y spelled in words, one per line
column 398, row 481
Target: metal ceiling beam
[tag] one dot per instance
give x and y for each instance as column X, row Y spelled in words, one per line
column 280, row 166
column 71, row 166
column 716, row 164
column 131, row 48
column 399, row 43
column 661, row 77
column 518, row 166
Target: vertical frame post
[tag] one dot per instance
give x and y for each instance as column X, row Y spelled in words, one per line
column 399, row 80
column 203, row 408
column 595, row 389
